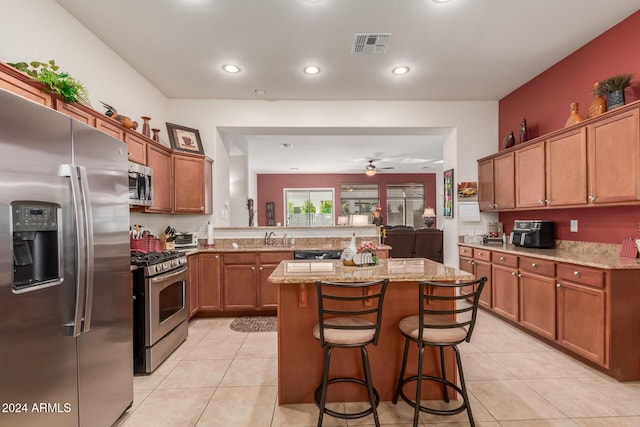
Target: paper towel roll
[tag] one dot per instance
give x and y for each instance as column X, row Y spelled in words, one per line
column 210, row 233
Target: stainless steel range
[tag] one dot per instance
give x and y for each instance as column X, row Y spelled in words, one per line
column 161, row 310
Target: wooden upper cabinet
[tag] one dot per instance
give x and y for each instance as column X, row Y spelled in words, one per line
column 566, row 167
column 19, row 83
column 530, row 176
column 189, row 186
column 136, row 146
column 77, row 111
column 504, row 181
column 208, row 186
column 614, row 159
column 110, row 127
column 485, row 185
column 159, row 160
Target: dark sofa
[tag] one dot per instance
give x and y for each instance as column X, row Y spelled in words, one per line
column 407, row 242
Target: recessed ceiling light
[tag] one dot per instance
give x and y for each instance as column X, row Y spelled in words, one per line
column 286, row 145
column 312, row 70
column 400, row 70
column 260, row 91
column 230, row 68
column 441, row 1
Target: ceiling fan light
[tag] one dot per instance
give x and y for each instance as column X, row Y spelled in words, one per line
column 370, row 170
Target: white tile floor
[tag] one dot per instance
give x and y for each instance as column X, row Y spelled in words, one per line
column 220, row 378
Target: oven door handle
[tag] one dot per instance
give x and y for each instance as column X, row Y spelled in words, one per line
column 164, row 277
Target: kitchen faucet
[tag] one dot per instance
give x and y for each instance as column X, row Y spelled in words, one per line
column 269, row 238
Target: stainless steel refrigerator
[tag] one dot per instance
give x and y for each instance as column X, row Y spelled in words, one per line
column 65, row 281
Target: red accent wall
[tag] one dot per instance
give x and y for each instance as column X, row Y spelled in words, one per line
column 544, row 102
column 271, row 187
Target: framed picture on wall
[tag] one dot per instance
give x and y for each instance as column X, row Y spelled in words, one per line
column 184, row 139
column 448, row 193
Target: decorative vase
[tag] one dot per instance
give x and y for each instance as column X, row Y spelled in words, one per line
column 145, row 126
column 509, row 140
column 598, row 103
column 155, row 134
column 615, row 99
column 574, row 116
column 523, row 131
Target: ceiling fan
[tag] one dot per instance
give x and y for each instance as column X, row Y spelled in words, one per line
column 370, row 169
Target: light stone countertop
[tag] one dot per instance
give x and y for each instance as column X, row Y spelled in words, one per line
column 396, row 270
column 598, row 255
column 257, row 245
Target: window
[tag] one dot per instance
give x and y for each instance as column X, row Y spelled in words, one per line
column 405, row 204
column 309, row 207
column 358, row 199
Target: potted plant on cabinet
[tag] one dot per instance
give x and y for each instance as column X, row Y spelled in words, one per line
column 61, row 83
column 614, row 88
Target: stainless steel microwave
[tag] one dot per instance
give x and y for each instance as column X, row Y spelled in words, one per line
column 140, row 185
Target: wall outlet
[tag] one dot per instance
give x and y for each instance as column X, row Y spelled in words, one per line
column 573, row 227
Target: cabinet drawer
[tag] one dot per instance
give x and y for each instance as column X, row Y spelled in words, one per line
column 505, row 259
column 482, row 254
column 465, row 251
column 538, row 266
column 274, row 257
column 240, row 258
column 583, row 275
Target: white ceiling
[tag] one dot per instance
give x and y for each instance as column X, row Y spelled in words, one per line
column 461, row 50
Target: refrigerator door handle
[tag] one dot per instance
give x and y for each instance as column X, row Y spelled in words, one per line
column 89, row 254
column 74, row 328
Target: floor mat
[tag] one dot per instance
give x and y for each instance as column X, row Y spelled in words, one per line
column 255, row 324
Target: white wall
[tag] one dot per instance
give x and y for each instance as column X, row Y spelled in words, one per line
column 40, row 30
column 46, row 31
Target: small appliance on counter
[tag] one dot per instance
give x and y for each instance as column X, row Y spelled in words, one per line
column 186, row 240
column 533, row 233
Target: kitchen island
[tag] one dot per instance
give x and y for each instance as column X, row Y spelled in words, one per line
column 300, row 355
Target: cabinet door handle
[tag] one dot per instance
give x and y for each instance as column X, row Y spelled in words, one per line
column 501, row 258
column 592, row 198
column 261, row 268
column 558, row 285
column 513, row 273
column 253, row 267
column 577, row 273
column 547, row 201
column 519, row 275
column 534, row 265
column 541, row 201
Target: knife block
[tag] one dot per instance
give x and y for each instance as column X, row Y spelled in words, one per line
column 167, row 246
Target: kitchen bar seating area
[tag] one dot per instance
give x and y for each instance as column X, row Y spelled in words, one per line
column 223, row 378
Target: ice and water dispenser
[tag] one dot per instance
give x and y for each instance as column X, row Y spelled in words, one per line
column 36, row 245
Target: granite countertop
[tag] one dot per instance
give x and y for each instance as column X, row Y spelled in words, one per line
column 257, row 245
column 396, row 270
column 598, row 255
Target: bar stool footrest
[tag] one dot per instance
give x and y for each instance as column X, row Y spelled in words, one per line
column 343, row 415
column 428, row 410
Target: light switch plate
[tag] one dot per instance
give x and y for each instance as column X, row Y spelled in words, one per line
column 573, row 227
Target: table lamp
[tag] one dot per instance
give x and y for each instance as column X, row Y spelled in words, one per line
column 428, row 216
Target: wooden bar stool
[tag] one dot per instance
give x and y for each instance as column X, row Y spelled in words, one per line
column 437, row 324
column 349, row 316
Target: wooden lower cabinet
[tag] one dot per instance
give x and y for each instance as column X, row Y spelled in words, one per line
column 581, row 320
column 209, row 282
column 268, row 292
column 505, row 295
column 194, row 272
column 538, row 304
column 239, row 278
column 483, row 269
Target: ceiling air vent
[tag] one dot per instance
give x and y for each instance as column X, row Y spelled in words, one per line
column 370, row 43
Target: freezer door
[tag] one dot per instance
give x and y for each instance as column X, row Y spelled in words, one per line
column 106, row 343
column 38, row 362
